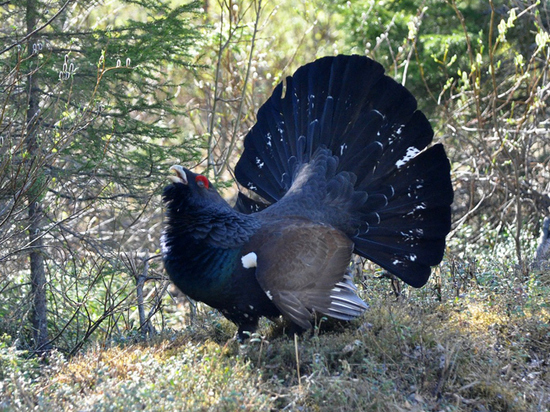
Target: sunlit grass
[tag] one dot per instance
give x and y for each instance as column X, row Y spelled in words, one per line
column 476, row 352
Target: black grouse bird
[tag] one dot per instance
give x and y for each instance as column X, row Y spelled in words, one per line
column 339, row 154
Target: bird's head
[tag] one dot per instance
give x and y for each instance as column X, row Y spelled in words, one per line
column 196, row 212
column 189, row 190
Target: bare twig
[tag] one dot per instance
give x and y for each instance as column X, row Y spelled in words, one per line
column 38, row 29
column 237, row 121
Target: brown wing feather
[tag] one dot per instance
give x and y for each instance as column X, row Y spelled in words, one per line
column 301, row 267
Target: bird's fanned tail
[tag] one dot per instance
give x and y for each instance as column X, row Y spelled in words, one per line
column 370, row 124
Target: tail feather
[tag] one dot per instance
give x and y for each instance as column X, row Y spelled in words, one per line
column 424, row 180
column 397, row 188
column 343, row 301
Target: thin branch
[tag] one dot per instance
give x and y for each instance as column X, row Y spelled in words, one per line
column 32, row 33
column 241, row 105
column 94, row 197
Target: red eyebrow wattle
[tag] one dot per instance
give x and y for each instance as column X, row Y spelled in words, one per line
column 204, row 180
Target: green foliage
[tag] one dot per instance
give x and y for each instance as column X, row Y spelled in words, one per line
column 416, row 42
column 104, row 122
column 134, row 129
column 17, row 375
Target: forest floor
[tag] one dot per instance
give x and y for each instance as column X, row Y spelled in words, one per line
column 480, row 351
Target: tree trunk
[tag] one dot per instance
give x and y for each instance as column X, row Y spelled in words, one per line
column 38, row 275
column 38, row 278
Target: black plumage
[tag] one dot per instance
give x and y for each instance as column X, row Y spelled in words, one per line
column 340, row 156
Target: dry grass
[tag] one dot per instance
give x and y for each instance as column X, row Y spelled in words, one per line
column 473, row 353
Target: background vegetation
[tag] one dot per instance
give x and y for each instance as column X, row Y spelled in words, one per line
column 99, row 98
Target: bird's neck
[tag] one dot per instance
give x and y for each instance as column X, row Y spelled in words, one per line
column 217, row 224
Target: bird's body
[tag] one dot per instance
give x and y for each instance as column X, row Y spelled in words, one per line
column 342, row 164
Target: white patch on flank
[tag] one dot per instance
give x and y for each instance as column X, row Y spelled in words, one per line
column 250, row 260
column 412, row 257
column 396, row 262
column 251, row 307
column 268, row 136
column 411, row 153
column 269, row 295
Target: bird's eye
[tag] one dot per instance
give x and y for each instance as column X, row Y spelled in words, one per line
column 201, row 181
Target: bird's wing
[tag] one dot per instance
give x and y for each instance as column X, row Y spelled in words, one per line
column 301, row 267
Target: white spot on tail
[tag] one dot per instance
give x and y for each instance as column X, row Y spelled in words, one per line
column 342, row 148
column 269, row 295
column 411, row 154
column 250, row 260
column 420, row 206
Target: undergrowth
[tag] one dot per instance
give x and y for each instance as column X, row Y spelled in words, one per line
column 475, row 348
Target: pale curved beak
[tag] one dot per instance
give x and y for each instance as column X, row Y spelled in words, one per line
column 180, row 176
